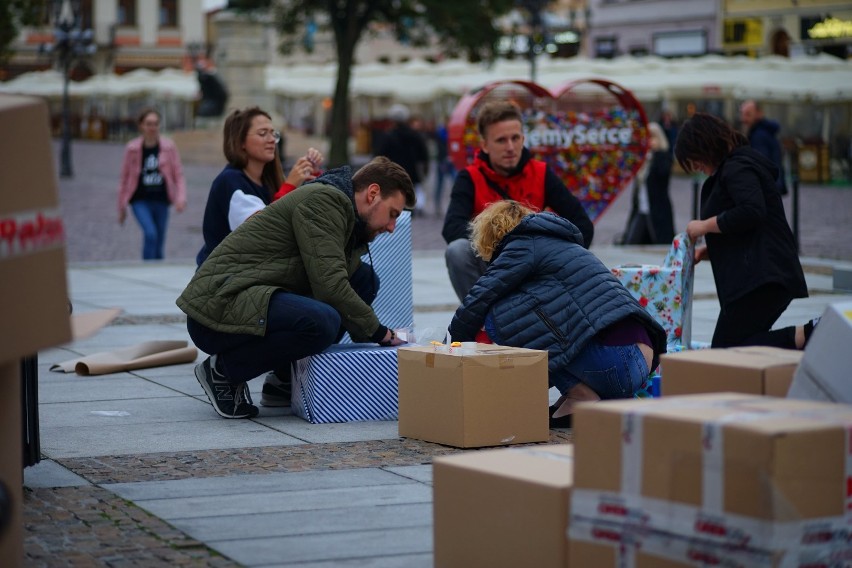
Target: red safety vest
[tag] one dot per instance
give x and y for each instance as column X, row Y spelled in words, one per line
column 525, row 187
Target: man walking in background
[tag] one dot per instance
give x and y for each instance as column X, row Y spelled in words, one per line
column 406, row 146
column 763, row 137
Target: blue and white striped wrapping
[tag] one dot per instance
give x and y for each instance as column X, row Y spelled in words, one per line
column 346, row 383
column 394, row 304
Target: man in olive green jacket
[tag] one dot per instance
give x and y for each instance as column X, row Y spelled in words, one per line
column 287, row 282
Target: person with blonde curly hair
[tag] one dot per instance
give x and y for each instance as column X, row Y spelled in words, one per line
column 543, row 290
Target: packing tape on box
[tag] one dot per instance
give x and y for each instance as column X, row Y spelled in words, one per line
column 728, row 529
column 627, row 542
column 709, row 521
column 29, row 232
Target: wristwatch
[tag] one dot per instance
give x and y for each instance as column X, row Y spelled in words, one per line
column 389, row 342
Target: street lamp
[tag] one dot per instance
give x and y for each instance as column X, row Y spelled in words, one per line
column 536, row 26
column 70, row 43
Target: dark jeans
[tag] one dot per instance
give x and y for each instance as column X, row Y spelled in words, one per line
column 296, row 327
column 749, row 320
column 153, row 217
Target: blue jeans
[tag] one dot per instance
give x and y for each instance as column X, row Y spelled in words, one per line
column 612, row 371
column 296, row 327
column 153, row 217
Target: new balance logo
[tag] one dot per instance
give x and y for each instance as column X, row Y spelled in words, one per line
column 224, row 393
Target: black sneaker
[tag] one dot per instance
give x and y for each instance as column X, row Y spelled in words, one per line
column 810, row 327
column 276, row 391
column 228, row 400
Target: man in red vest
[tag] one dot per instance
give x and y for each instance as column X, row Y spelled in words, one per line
column 503, row 169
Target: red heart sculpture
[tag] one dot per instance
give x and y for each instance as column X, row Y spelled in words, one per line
column 592, row 133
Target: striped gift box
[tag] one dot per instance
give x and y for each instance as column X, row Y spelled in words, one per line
column 391, row 252
column 346, row 383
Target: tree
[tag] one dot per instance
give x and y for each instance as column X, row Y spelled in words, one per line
column 460, row 26
column 13, row 15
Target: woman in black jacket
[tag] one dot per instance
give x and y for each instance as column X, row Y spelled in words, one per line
column 543, row 290
column 748, row 241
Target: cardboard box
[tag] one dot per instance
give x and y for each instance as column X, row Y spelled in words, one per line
column 506, row 507
column 346, row 383
column 750, row 370
column 33, row 293
column 732, row 469
column 827, row 362
column 473, row 396
column 390, row 255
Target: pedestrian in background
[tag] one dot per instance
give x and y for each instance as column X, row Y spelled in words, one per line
column 503, row 169
column 251, row 179
column 670, row 126
column 763, row 137
column 651, row 218
column 151, row 180
column 444, row 168
column 407, row 147
column 543, row 290
column 749, row 244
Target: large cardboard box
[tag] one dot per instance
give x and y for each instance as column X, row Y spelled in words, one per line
column 827, row 363
column 503, row 508
column 473, row 396
column 33, row 293
column 346, row 383
column 769, row 474
column 750, row 370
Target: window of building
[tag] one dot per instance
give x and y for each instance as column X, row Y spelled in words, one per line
column 743, row 32
column 126, row 12
column 81, row 12
column 168, row 13
column 606, row 47
column 680, row 43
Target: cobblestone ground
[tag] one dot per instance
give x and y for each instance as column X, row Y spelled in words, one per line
column 89, row 526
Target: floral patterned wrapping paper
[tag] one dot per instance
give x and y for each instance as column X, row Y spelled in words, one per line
column 665, row 291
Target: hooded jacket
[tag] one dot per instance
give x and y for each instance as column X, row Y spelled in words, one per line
column 755, row 246
column 545, row 291
column 306, row 243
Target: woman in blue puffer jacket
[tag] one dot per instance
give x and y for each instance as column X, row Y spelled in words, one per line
column 543, row 290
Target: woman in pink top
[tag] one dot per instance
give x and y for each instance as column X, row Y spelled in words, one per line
column 151, row 181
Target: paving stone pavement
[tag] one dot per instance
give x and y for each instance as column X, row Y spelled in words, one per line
column 172, row 484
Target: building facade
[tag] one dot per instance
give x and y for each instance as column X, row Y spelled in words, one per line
column 787, row 27
column 129, row 34
column 668, row 28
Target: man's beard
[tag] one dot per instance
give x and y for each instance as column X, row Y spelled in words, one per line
column 362, row 232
